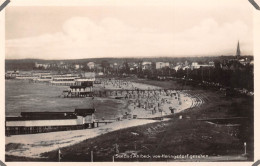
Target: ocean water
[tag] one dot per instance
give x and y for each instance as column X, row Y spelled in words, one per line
column 22, row 96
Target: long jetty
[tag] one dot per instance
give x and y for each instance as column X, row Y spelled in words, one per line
column 121, row 92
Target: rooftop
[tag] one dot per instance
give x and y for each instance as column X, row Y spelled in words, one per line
column 84, row 111
column 52, row 115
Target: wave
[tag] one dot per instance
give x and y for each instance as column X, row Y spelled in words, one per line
column 19, row 96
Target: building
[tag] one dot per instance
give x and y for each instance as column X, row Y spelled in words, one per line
column 83, row 87
column 211, row 63
column 71, row 79
column 244, row 61
column 160, row 65
column 40, row 122
column 146, row 65
column 98, row 68
column 77, row 66
column 41, row 73
column 238, row 51
column 88, row 75
column 84, row 90
column 178, row 67
column 64, row 80
column 44, row 79
column 185, row 68
column 91, row 65
column 11, row 74
column 26, row 76
column 115, row 66
column 196, row 65
column 44, row 66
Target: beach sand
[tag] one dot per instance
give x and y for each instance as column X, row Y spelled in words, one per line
column 32, row 145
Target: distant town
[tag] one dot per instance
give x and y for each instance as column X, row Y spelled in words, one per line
column 227, row 71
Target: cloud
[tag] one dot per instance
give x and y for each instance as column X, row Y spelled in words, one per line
column 210, row 37
column 81, row 37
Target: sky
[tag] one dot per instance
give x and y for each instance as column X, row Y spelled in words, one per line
column 129, row 28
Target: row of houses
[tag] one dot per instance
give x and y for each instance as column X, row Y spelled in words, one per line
column 178, row 66
column 187, row 65
column 132, row 65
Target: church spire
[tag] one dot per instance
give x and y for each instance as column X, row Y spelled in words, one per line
column 238, row 51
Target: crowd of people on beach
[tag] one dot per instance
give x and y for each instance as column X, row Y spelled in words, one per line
column 144, row 100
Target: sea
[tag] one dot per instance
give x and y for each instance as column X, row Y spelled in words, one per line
column 24, row 96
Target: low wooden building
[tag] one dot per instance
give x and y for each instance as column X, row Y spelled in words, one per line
column 40, row 122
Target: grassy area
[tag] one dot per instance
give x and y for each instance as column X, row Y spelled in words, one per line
column 174, row 137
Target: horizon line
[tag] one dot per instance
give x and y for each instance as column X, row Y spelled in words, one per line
column 128, row 57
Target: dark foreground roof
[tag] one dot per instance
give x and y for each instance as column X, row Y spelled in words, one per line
column 52, row 115
column 40, row 118
column 77, row 86
column 84, row 111
column 46, row 114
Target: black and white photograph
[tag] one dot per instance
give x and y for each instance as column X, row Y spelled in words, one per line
column 129, row 81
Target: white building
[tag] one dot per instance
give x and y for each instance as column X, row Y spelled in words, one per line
column 88, row 75
column 178, row 67
column 185, row 67
column 211, row 63
column 45, row 66
column 91, row 65
column 196, row 65
column 77, row 66
column 146, row 65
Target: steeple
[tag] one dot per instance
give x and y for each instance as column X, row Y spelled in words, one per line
column 238, row 51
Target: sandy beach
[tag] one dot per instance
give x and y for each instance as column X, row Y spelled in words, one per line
column 33, row 145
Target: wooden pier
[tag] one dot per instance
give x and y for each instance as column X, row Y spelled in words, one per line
column 123, row 92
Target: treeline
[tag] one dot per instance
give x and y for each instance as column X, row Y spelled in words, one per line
column 24, row 64
column 232, row 75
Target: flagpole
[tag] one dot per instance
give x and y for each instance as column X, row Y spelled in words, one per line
column 59, row 153
column 91, row 156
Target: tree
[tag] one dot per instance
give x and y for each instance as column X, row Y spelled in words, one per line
column 104, row 65
column 126, row 68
